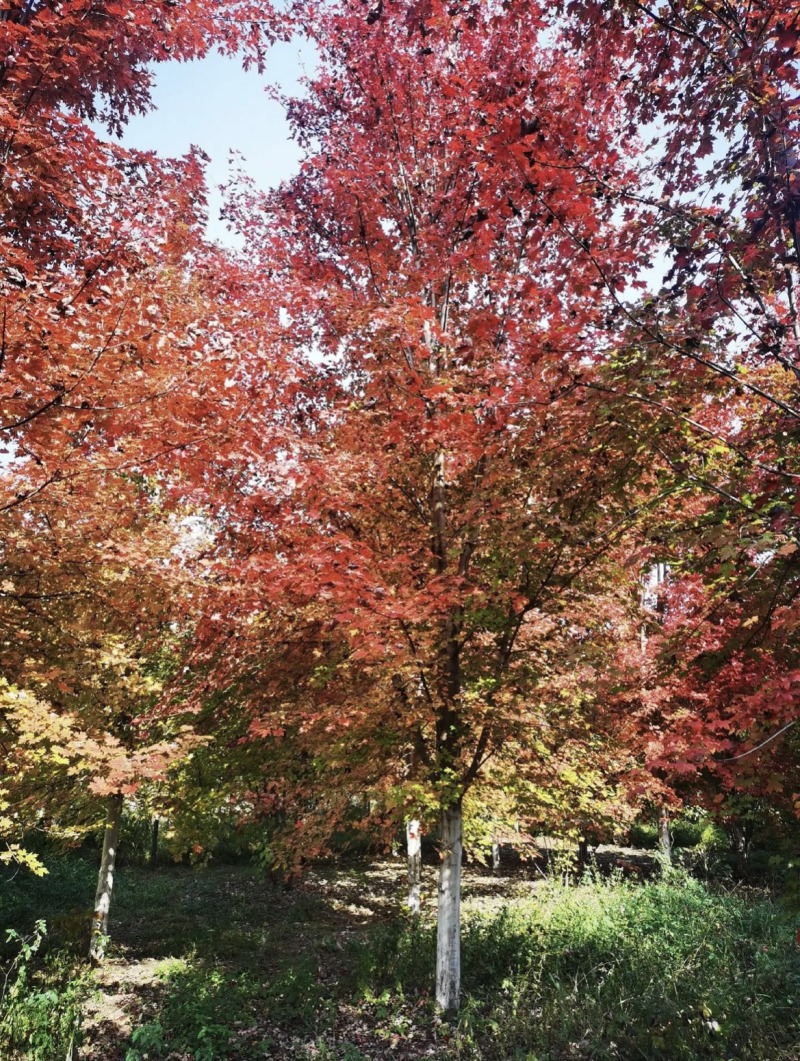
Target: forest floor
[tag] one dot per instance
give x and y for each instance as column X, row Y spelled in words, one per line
column 226, row 925
column 220, row 963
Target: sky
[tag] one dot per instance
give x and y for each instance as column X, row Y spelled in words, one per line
column 217, row 106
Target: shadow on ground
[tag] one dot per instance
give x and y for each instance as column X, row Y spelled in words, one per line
column 224, row 963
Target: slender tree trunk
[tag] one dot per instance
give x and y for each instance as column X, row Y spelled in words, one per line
column 105, row 880
column 741, row 847
column 495, row 855
column 414, row 846
column 154, row 842
column 583, row 854
column 448, row 936
column 664, row 836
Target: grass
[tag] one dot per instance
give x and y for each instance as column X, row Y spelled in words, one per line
column 610, row 969
column 666, row 970
column 238, row 969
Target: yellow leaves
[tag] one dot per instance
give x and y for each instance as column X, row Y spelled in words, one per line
column 35, row 722
column 569, row 776
column 17, row 854
column 46, row 738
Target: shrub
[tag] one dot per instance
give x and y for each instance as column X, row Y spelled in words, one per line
column 40, row 1009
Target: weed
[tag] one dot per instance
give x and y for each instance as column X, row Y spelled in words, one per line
column 147, row 1041
column 670, row 970
column 41, row 1003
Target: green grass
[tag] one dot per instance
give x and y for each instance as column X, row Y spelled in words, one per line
column 670, row 969
column 608, row 969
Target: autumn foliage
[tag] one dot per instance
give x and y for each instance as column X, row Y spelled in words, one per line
column 365, row 514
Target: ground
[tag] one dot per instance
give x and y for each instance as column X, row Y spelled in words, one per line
column 219, row 962
column 235, row 922
column 232, row 919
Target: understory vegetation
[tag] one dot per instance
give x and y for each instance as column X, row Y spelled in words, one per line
column 221, row 963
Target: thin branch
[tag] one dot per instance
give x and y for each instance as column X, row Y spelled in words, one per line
column 758, row 747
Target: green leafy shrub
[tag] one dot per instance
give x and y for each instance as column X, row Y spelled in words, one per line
column 688, row 830
column 643, row 834
column 200, row 1007
column 41, row 1005
column 714, row 838
column 147, row 1041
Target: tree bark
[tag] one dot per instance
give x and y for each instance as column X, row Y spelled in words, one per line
column 154, row 842
column 448, row 935
column 664, row 836
column 414, row 847
column 495, row 855
column 583, row 854
column 105, row 880
column 741, row 845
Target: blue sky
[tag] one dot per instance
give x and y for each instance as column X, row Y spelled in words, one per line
column 215, row 105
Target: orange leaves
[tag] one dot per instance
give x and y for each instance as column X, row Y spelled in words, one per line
column 47, row 740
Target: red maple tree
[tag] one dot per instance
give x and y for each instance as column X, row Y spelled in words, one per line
column 412, row 562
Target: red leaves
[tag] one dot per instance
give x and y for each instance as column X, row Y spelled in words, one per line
column 426, row 588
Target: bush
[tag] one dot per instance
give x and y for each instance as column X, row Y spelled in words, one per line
column 691, row 829
column 643, row 834
column 40, row 1010
column 688, row 832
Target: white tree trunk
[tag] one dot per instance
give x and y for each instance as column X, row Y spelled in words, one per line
column 664, row 836
column 414, row 846
column 495, row 855
column 105, row 880
column 448, row 936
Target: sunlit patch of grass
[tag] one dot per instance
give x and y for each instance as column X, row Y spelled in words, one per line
column 608, row 969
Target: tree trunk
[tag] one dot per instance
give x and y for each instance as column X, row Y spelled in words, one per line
column 154, row 842
column 664, row 836
column 741, row 847
column 495, row 855
column 583, row 854
column 105, row 880
column 414, row 846
column 448, row 935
